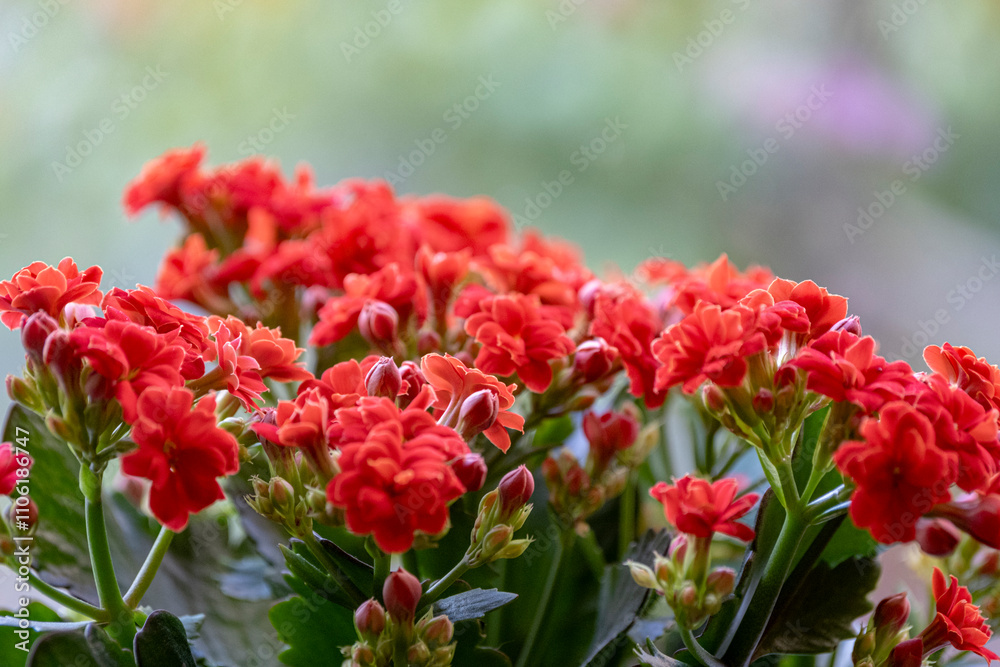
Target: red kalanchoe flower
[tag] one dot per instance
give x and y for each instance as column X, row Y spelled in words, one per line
column 454, row 382
column 452, row 225
column 624, row 318
column 718, row 283
column 845, row 368
column 957, row 622
column 700, row 508
column 49, row 289
column 517, row 336
column 276, row 357
column 190, row 273
column 395, row 475
column 161, row 179
column 238, row 372
column 960, row 366
column 899, row 471
column 977, row 514
column 709, row 344
column 182, row 451
column 608, row 434
column 822, row 308
column 10, row 463
column 130, row 358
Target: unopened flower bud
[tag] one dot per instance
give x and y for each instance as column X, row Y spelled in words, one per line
column 513, row 550
column 864, row 647
column 428, row 342
column 478, row 412
column 497, row 537
column 21, row 392
column 891, row 615
column 61, row 359
column 437, row 631
column 688, row 595
column 418, row 653
column 642, row 575
column 763, row 401
column 384, row 379
column 909, row 653
column 369, row 619
column 594, row 359
column 34, row 332
column 515, row 490
column 678, row 548
column 401, row 594
column 850, row 324
column 937, row 537
column 713, row 398
column 609, row 434
column 588, row 294
column 471, row 471
column 664, row 569
column 378, row 323
column 282, row 494
column 362, row 654
column 721, row 581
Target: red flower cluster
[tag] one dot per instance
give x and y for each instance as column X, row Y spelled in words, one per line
column 47, row 289
column 182, row 451
column 701, row 508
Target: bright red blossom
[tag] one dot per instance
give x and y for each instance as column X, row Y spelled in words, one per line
column 182, row 451
column 718, row 283
column 49, row 289
column 899, row 471
column 960, row 366
column 517, row 336
column 701, row 508
column 957, row 621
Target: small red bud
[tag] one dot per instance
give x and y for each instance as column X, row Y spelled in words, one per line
column 891, row 614
column 909, row 653
column 414, row 379
column 478, row 412
column 763, row 401
column 713, row 398
column 378, row 323
column 384, row 379
column 588, row 294
column 428, row 342
column 438, row 631
column 937, row 537
column 34, row 332
column 471, row 471
column 678, row 547
column 401, row 593
column 515, row 490
column 609, row 434
column 594, row 359
column 721, row 581
column 369, row 619
column 851, row 324
column 61, row 359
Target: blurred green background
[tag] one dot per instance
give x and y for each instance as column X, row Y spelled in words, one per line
column 658, row 111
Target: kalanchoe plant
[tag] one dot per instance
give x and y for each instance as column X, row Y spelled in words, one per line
column 463, row 445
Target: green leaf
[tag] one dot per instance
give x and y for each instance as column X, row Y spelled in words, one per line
column 313, row 627
column 468, row 636
column 360, row 573
column 816, row 612
column 553, row 431
column 848, row 541
column 163, row 642
column 59, row 551
column 621, row 599
column 10, row 654
column 305, row 569
column 58, row 649
column 472, row 604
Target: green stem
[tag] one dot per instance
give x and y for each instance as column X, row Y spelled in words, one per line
column 383, row 563
column 779, row 563
column 562, row 549
column 122, row 626
column 786, row 476
column 444, row 583
column 66, row 600
column 149, row 567
column 696, row 649
column 410, row 563
column 626, row 521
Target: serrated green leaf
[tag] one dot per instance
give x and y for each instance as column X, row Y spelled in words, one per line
column 162, row 642
column 472, row 604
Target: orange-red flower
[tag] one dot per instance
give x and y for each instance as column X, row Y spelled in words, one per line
column 709, row 344
column 276, row 357
column 450, row 225
column 238, row 372
column 957, row 621
column 395, row 476
column 701, row 508
column 160, row 180
column 182, row 451
column 718, row 283
column 845, row 368
column 49, row 289
column 189, row 272
column 899, row 471
column 608, row 434
column 960, row 366
column 454, row 382
column 517, row 336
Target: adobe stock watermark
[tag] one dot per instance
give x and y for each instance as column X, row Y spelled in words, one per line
column 21, row 517
column 121, row 108
column 562, row 12
column 786, row 127
column 454, row 117
column 700, row 43
column 364, row 34
column 585, row 155
column 256, row 143
column 956, row 299
column 34, row 22
column 899, row 16
column 912, row 169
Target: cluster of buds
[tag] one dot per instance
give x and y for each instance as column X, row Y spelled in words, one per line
column 885, row 630
column 502, row 512
column 385, row 633
column 617, row 445
column 279, row 501
column 683, row 578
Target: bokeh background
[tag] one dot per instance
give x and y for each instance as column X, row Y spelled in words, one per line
column 850, row 143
